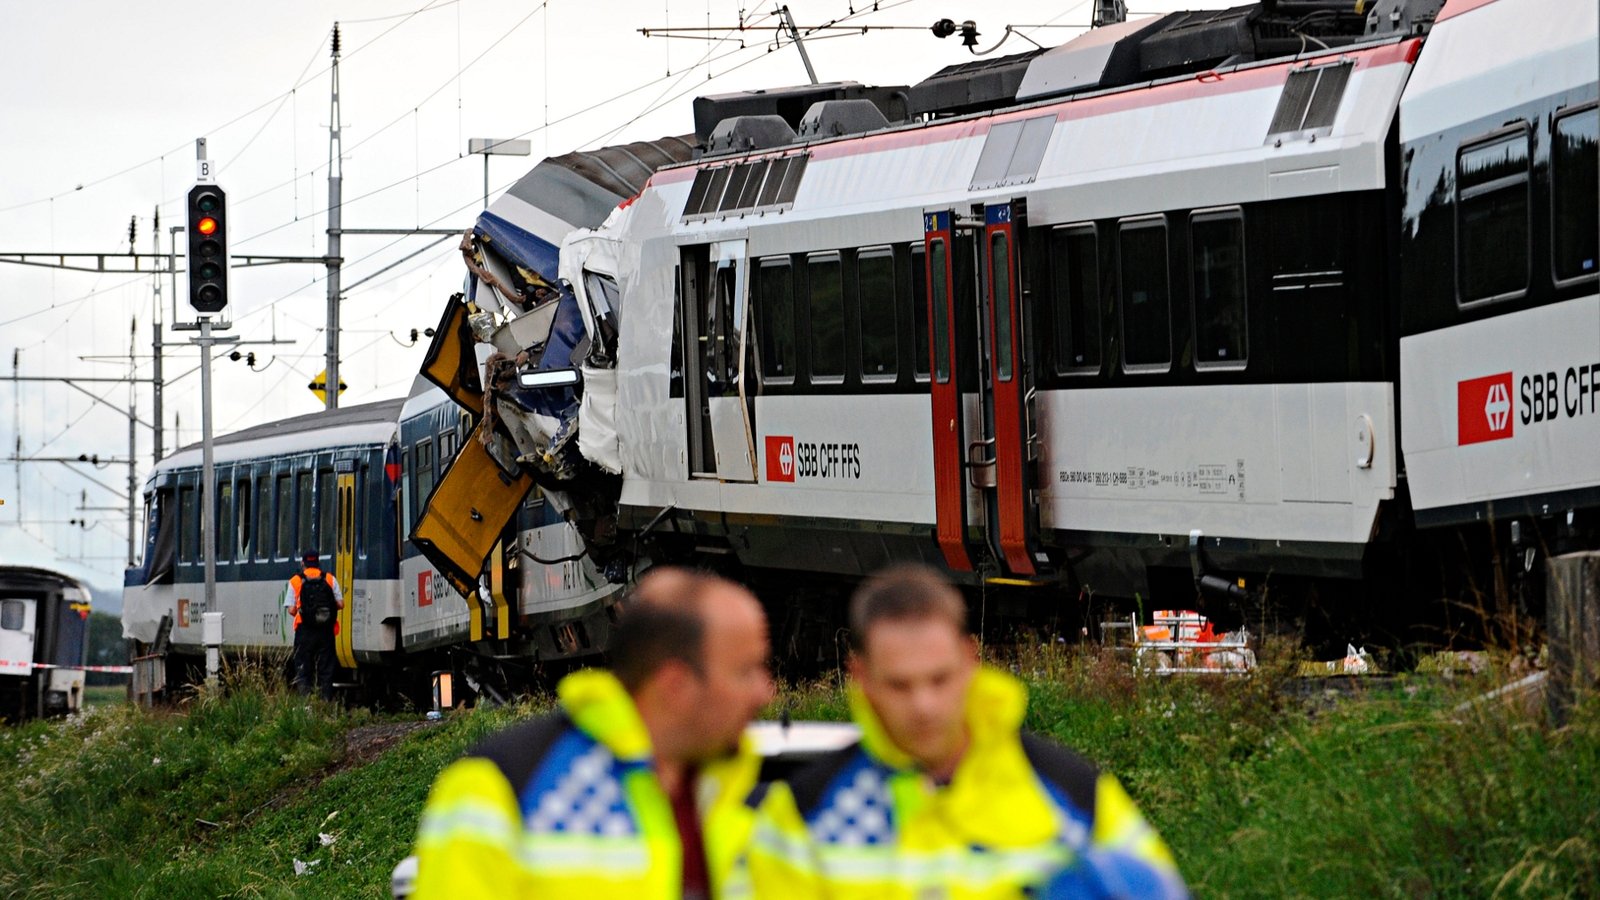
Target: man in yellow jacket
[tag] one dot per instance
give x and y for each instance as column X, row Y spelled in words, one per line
column 945, row 796
column 638, row 787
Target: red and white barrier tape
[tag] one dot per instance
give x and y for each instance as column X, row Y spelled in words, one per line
column 13, row 664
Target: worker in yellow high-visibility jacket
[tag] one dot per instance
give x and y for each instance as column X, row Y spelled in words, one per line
column 945, row 796
column 638, row 787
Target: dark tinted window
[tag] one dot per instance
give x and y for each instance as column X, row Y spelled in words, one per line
column 264, row 541
column 1075, row 283
column 919, row 309
column 827, row 315
column 1492, row 218
column 1000, row 276
column 188, row 526
column 775, row 309
column 285, row 515
column 246, row 520
column 876, row 295
column 304, row 539
column 1217, row 267
column 1146, row 303
column 736, row 182
column 941, row 312
column 1573, row 186
column 775, row 175
column 424, row 476
column 327, row 509
column 224, row 521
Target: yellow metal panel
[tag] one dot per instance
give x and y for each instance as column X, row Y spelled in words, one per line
column 452, row 362
column 465, row 517
column 344, row 568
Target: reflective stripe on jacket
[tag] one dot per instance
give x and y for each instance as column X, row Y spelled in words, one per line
column 568, row 807
column 1021, row 816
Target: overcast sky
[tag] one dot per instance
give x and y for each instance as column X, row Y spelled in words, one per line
column 100, row 103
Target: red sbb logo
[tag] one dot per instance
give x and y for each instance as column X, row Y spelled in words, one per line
column 1483, row 409
column 780, row 458
column 425, row 589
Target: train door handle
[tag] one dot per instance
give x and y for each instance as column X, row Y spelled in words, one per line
column 980, row 469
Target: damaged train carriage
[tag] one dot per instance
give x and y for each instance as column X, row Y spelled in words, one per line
column 529, row 355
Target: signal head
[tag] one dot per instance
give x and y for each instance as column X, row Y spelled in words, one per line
column 208, row 249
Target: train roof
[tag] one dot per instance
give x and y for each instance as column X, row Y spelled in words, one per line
column 365, row 423
column 1127, row 54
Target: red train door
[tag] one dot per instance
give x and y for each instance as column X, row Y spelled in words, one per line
column 983, row 446
column 945, row 379
column 1013, row 510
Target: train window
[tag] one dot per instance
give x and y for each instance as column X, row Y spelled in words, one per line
column 1075, row 284
column 188, row 526
column 246, row 521
column 1146, row 297
column 1492, row 218
column 327, row 513
column 13, row 615
column 303, row 538
column 1000, row 284
column 285, row 514
column 775, row 309
column 1573, row 184
column 827, row 315
column 424, row 474
column 1221, row 338
column 405, row 490
column 364, row 494
column 263, row 518
column 880, row 350
column 224, row 520
column 919, row 310
column 941, row 312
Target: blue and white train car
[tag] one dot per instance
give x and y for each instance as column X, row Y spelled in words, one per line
column 321, row 481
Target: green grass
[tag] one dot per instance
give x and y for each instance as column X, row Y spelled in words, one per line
column 1387, row 792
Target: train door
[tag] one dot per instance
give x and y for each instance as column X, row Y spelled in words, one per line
column 344, row 557
column 18, row 622
column 987, row 446
column 719, row 407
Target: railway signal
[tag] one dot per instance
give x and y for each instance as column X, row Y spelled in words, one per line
column 208, row 249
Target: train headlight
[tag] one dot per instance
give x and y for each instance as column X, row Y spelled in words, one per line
column 548, row 378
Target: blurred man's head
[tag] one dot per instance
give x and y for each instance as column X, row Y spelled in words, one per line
column 310, row 557
column 692, row 650
column 914, row 660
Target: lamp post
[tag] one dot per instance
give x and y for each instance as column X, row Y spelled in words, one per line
column 496, row 147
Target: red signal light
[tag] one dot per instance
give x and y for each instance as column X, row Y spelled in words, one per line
column 207, row 226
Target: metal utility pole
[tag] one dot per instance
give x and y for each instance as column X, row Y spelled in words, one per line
column 155, row 328
column 335, row 176
column 794, row 33
column 133, row 439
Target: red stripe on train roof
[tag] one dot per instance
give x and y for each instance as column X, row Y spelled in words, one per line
column 1453, row 8
column 1204, row 84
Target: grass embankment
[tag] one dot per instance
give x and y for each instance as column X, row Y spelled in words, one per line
column 1386, row 792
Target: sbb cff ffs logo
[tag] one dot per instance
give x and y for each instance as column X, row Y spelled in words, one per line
column 1483, row 409
column 780, row 458
column 208, row 249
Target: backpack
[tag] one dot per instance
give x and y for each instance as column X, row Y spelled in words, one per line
column 316, row 600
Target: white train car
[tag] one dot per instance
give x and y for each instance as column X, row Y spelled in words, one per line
column 1300, row 291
